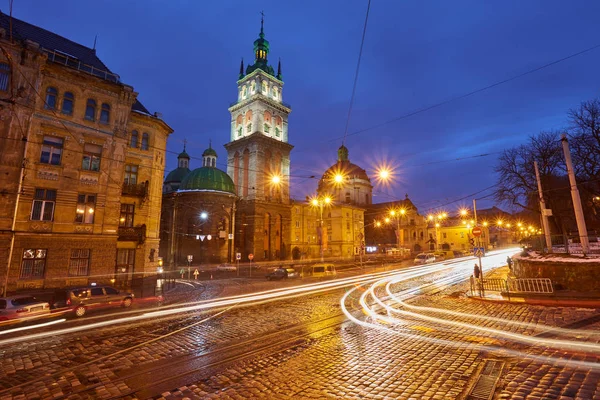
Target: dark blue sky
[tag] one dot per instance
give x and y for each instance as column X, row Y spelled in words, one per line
column 183, row 58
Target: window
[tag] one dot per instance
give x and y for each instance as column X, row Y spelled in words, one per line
column 91, row 157
column 79, row 264
column 131, row 172
column 127, row 211
column 4, row 76
column 90, row 110
column 444, row 235
column 134, row 139
column 348, row 225
column 277, row 131
column 267, row 127
column 86, row 206
column 462, row 235
column 347, row 197
column 33, row 264
column 67, row 105
column 43, row 205
column 145, row 137
column 105, row 113
column 249, row 127
column 97, row 291
column 110, row 290
column 240, row 131
column 51, row 94
column 297, row 224
column 297, row 238
column 51, row 150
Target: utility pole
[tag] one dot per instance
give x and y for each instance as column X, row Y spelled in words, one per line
column 583, row 237
column 545, row 213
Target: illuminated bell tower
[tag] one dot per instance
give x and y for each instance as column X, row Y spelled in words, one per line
column 258, row 149
column 258, row 158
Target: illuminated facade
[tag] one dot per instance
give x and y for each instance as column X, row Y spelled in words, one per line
column 82, row 163
column 258, row 159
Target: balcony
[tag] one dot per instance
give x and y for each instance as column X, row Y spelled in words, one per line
column 135, row 189
column 72, row 62
column 132, row 234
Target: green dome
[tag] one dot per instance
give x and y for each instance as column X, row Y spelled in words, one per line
column 177, row 174
column 183, row 154
column 209, row 152
column 208, row 178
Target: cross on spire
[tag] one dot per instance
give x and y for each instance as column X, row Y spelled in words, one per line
column 184, row 143
column 262, row 22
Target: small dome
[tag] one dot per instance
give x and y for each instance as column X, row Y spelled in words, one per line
column 209, row 152
column 347, row 169
column 177, row 175
column 183, row 154
column 208, row 178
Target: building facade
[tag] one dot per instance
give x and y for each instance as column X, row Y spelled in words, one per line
column 258, row 159
column 82, row 163
column 198, row 212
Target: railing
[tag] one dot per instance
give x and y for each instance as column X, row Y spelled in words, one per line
column 530, row 285
column 494, row 285
column 132, row 234
column 74, row 63
column 135, row 189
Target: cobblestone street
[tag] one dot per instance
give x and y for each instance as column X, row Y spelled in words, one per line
column 308, row 354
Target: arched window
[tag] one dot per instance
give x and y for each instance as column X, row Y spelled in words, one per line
column 4, row 76
column 264, row 87
column 145, row 138
column 105, row 113
column 134, row 139
column 347, row 197
column 278, row 126
column 275, row 92
column 51, row 94
column 67, row 104
column 268, row 120
column 90, row 110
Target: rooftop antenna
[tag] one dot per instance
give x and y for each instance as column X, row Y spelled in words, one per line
column 95, row 40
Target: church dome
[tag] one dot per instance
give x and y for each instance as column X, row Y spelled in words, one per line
column 209, row 152
column 208, row 178
column 177, row 174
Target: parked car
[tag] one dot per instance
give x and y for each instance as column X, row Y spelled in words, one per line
column 22, row 307
column 226, row 267
column 79, row 301
column 424, row 258
column 282, row 273
column 322, row 271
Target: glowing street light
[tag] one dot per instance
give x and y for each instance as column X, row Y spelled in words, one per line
column 203, row 215
column 387, row 220
column 378, row 224
column 276, row 179
column 321, row 202
column 338, row 178
column 463, row 212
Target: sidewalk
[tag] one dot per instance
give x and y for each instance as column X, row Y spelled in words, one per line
column 562, row 298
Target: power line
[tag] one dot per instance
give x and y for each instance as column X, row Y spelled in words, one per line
column 362, row 42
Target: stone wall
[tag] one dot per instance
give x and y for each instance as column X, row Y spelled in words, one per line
column 576, row 276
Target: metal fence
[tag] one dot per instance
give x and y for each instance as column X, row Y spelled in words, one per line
column 562, row 243
column 530, row 285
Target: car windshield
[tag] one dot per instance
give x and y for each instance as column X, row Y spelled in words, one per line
column 319, row 269
column 421, row 256
column 21, row 301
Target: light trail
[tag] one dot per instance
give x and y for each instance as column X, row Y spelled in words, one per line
column 383, row 313
column 246, row 299
column 24, row 328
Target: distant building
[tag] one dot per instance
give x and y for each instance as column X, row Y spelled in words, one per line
column 82, row 162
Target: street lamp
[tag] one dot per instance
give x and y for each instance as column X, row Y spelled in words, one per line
column 398, row 214
column 320, row 202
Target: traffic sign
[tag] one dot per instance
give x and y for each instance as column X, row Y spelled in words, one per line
column 202, row 237
column 196, row 273
column 478, row 251
column 238, row 256
column 476, row 231
column 250, row 256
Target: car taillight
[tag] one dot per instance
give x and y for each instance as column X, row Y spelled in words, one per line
column 68, row 302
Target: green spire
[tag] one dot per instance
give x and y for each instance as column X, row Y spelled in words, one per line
column 261, row 52
column 343, row 153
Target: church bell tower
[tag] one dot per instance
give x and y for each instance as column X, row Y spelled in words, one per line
column 258, row 156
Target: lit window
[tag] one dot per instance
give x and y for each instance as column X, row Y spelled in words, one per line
column 134, row 139
column 42, row 208
column 105, row 113
column 33, row 264
column 67, row 105
column 51, row 150
column 277, row 132
column 90, row 110
column 51, row 94
column 267, row 127
column 79, row 263
column 91, row 157
column 4, row 76
column 131, row 172
column 145, row 138
column 297, row 224
column 249, row 127
column 126, row 218
column 86, row 207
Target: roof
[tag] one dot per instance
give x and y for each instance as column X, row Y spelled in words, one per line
column 177, row 174
column 209, row 152
column 137, row 106
column 22, row 30
column 208, row 178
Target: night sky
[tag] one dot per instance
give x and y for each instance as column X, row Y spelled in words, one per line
column 183, row 58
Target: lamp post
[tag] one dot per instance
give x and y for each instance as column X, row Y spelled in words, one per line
column 398, row 214
column 321, row 202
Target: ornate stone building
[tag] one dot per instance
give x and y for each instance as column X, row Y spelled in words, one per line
column 258, row 159
column 197, row 213
column 82, row 162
